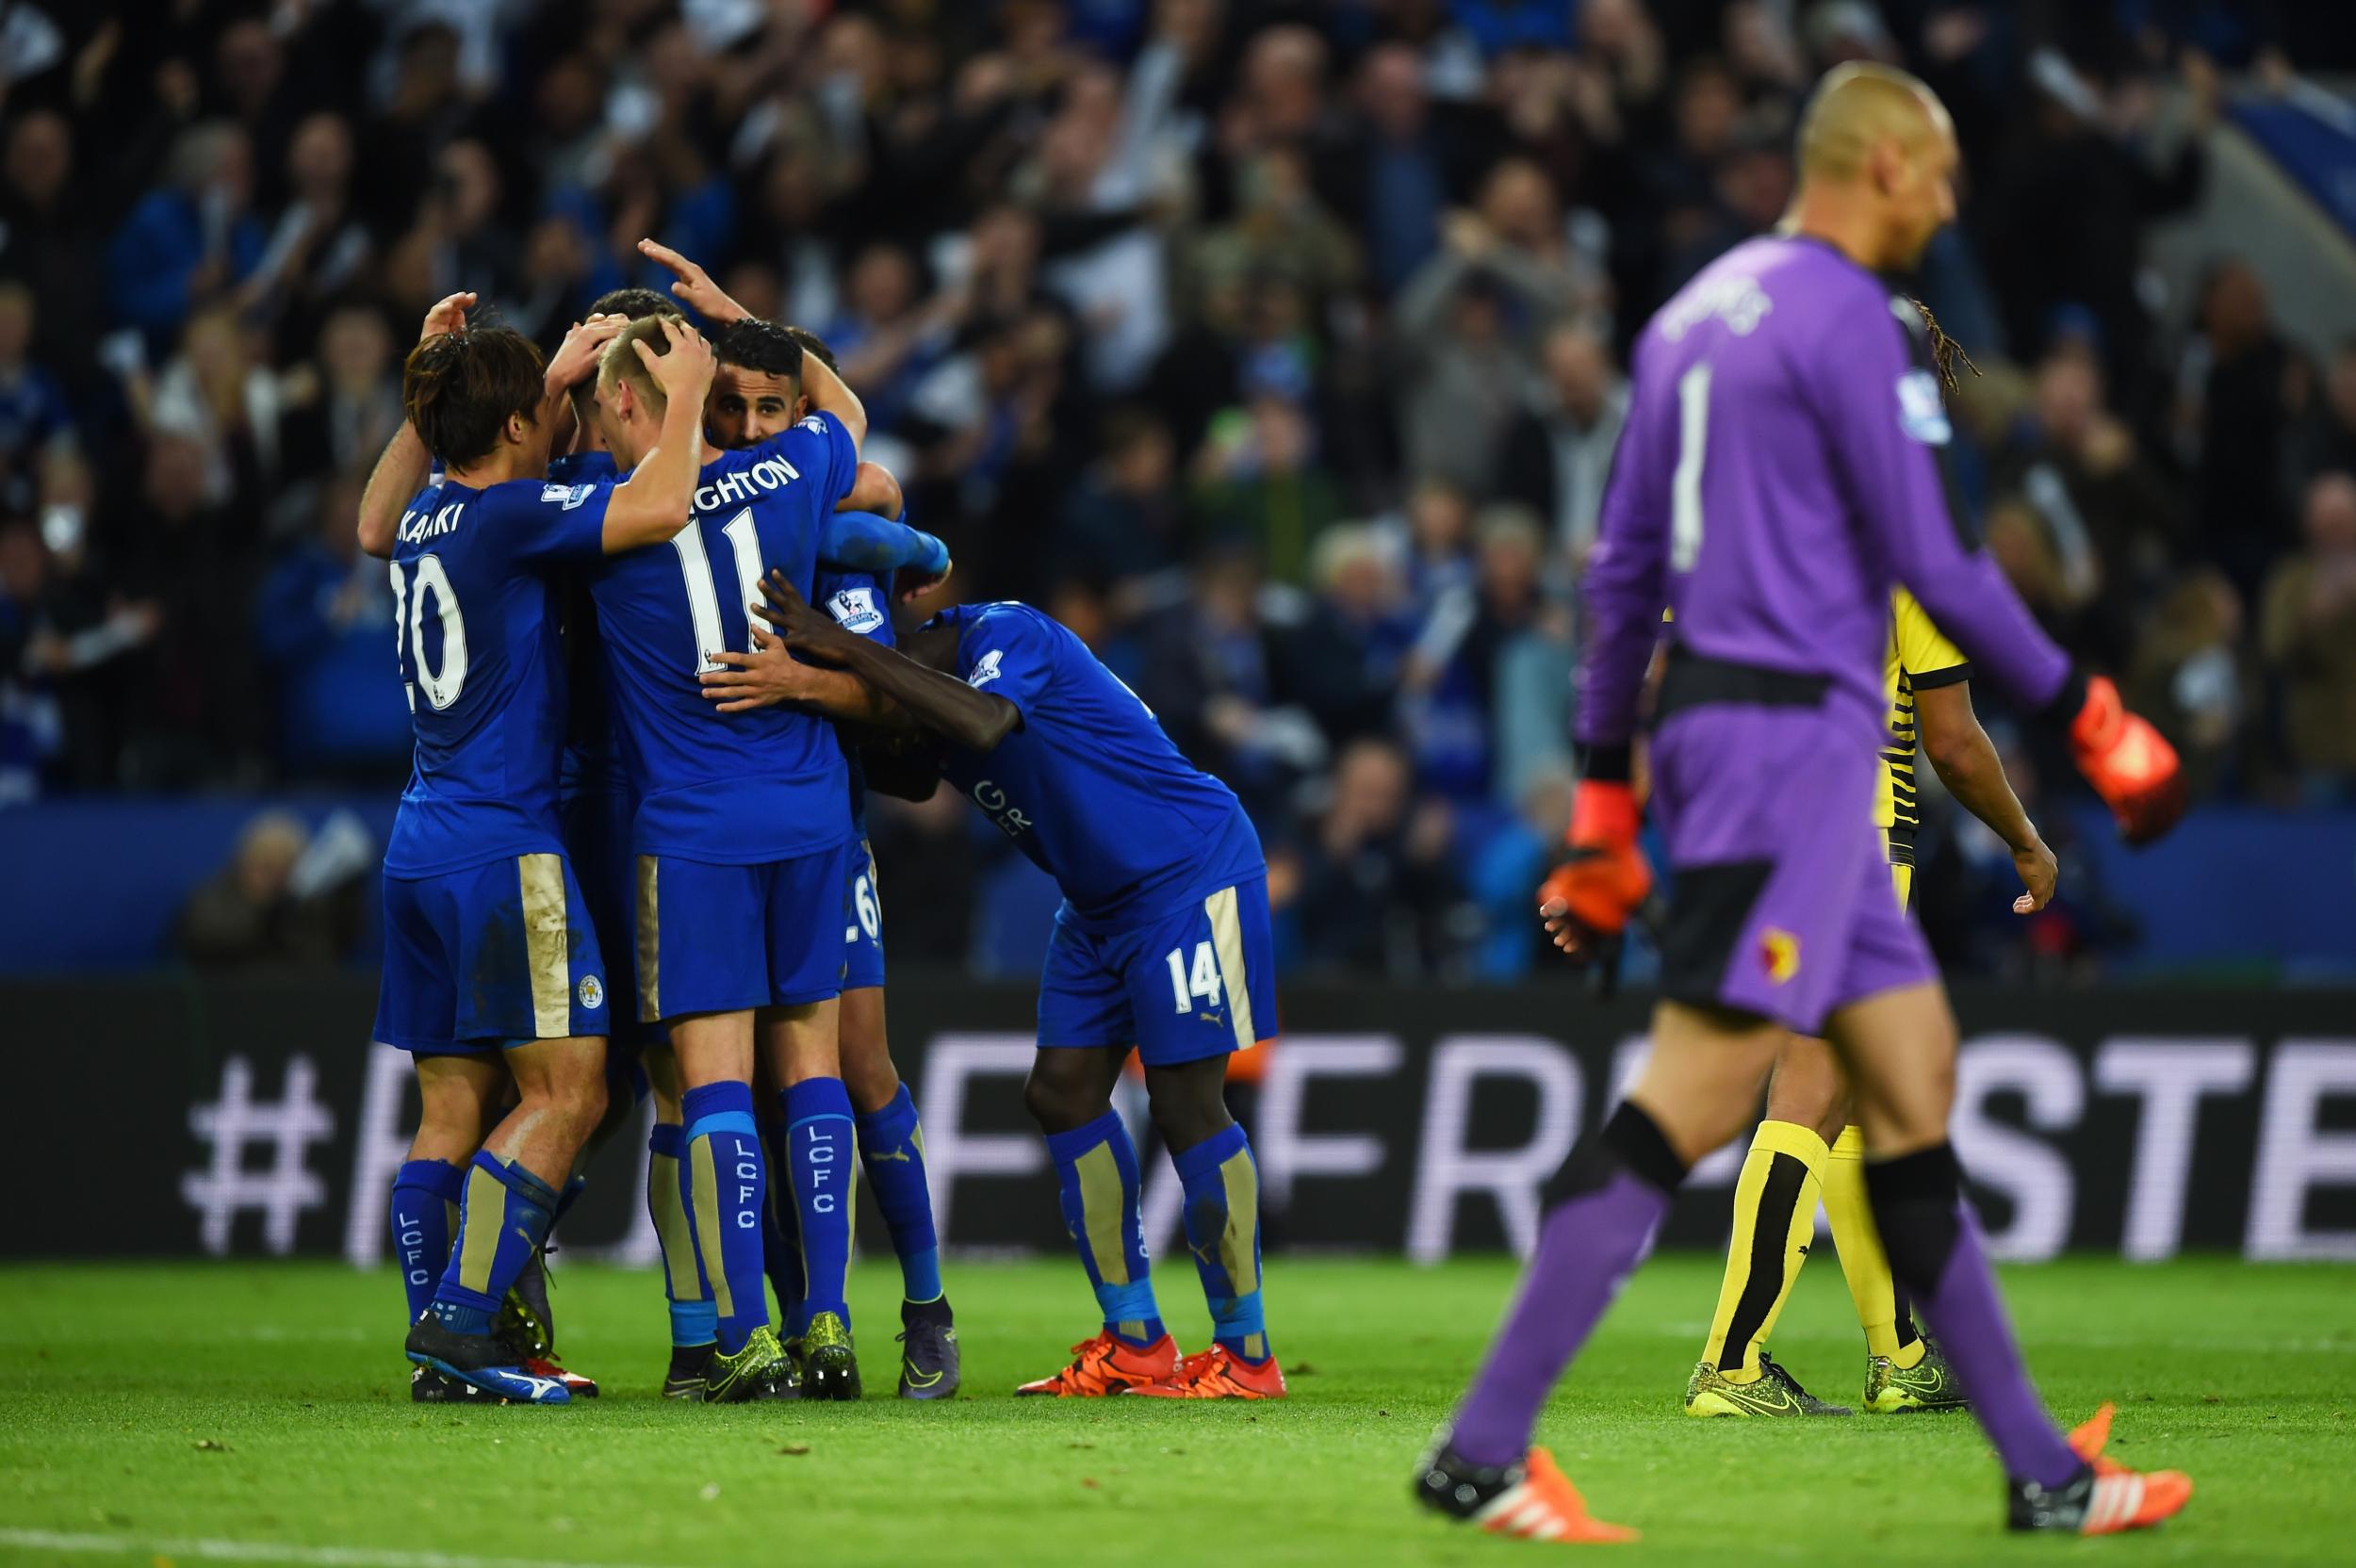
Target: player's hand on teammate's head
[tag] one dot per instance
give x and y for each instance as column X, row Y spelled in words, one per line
column 2038, row 872
column 576, row 358
column 685, row 369
column 447, row 315
column 695, row 286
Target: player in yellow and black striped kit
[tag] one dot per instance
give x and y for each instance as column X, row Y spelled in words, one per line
column 1806, row 1146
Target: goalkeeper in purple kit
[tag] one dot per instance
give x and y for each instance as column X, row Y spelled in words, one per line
column 1782, row 468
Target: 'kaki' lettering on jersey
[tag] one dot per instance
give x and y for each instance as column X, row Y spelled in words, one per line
column 430, row 525
column 737, row 487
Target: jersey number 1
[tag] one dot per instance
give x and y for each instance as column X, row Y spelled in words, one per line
column 1685, row 487
column 703, row 589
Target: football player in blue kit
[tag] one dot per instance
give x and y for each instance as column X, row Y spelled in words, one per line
column 492, row 969
column 597, row 810
column 756, row 394
column 1161, row 945
column 744, row 844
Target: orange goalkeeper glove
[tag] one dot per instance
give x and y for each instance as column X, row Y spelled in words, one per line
column 2130, row 764
column 1604, row 878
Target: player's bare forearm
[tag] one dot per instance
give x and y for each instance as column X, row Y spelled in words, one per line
column 771, row 677
column 399, row 473
column 942, row 704
column 1968, row 764
column 1967, row 761
column 938, row 703
column 827, row 392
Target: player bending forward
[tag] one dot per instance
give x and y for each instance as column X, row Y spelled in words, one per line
column 1807, row 1144
column 1161, row 944
column 1780, row 471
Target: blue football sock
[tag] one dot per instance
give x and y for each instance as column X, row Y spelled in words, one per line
column 722, row 1181
column 1222, row 1198
column 818, row 1138
column 424, row 1216
column 694, row 1318
column 892, row 1147
column 1096, row 1171
column 781, row 1234
column 503, row 1218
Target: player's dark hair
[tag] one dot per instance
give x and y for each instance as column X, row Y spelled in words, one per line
column 636, row 303
column 1945, row 350
column 762, row 346
column 815, row 347
column 459, row 390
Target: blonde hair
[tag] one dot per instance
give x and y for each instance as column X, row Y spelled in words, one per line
column 618, row 360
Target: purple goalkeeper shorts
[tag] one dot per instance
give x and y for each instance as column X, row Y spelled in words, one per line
column 1780, row 901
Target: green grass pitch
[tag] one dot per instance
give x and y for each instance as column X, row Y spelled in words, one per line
column 258, row 1414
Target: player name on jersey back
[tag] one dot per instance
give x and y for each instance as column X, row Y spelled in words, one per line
column 726, row 789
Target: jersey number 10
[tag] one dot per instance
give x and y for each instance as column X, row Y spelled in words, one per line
column 442, row 685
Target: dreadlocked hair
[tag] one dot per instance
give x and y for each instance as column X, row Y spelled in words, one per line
column 1945, row 350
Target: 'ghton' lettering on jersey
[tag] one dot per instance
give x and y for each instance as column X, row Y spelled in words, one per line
column 737, row 486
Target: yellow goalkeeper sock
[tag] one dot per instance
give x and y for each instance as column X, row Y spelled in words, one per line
column 1774, row 1219
column 1887, row 1319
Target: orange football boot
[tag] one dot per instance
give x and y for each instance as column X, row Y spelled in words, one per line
column 1547, row 1507
column 1108, row 1365
column 2107, row 1498
column 1213, row 1374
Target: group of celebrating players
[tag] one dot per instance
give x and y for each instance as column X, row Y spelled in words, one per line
column 630, row 793
column 630, row 861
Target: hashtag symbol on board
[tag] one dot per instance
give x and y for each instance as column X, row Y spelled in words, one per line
column 282, row 1191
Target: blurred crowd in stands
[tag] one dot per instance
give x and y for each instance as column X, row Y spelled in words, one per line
column 1277, row 349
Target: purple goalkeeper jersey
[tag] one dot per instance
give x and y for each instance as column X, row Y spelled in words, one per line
column 1784, row 464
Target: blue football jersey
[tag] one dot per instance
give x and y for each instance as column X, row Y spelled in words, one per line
column 725, row 788
column 862, row 602
column 476, row 640
column 591, row 761
column 1089, row 788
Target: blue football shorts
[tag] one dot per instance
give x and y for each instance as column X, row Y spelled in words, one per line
column 1200, row 982
column 716, row 938
column 862, row 925
column 501, row 954
column 596, row 827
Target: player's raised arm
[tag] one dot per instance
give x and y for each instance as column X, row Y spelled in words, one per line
column 400, row 468
column 828, row 394
column 654, row 502
column 694, row 287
